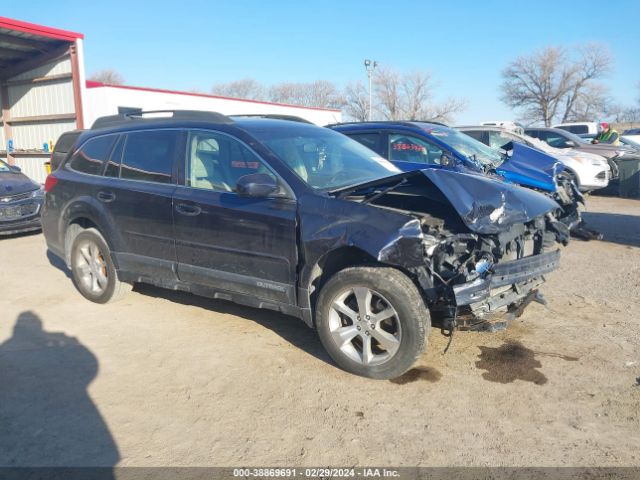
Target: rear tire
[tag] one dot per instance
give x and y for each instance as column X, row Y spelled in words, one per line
column 372, row 321
column 94, row 273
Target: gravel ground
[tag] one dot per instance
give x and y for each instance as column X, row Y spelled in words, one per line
column 165, row 378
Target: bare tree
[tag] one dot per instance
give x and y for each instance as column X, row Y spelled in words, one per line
column 410, row 97
column 620, row 114
column 416, row 95
column 445, row 112
column 107, row 75
column 356, row 101
column 387, row 89
column 594, row 62
column 320, row 93
column 246, row 88
column 591, row 102
column 551, row 84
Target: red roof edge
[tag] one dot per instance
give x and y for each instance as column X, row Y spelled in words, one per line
column 39, row 30
column 94, row 84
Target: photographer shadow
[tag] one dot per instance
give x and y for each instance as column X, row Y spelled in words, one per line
column 46, row 415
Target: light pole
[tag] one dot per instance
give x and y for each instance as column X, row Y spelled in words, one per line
column 370, row 65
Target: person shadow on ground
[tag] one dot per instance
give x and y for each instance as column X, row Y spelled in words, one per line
column 46, row 415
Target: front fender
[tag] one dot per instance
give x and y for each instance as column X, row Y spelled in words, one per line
column 329, row 224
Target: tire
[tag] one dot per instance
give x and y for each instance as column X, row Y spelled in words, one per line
column 382, row 349
column 94, row 273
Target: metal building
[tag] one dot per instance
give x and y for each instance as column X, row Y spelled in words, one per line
column 41, row 91
column 103, row 99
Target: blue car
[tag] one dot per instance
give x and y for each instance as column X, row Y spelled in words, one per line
column 419, row 145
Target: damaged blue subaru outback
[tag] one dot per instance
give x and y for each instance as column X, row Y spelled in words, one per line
column 299, row 219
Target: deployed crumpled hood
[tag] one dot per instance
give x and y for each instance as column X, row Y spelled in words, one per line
column 531, row 167
column 14, row 183
column 485, row 205
column 489, row 206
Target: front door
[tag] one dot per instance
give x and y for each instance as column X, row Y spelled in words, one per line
column 227, row 241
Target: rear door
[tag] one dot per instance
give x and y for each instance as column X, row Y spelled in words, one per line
column 138, row 194
column 227, row 241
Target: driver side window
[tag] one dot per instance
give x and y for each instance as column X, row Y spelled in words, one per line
column 216, row 162
column 407, row 148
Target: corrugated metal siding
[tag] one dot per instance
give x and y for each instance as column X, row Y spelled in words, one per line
column 33, row 167
column 54, row 68
column 3, row 142
column 30, row 100
column 40, row 99
column 30, row 136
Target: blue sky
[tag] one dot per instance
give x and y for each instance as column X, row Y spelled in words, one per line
column 464, row 44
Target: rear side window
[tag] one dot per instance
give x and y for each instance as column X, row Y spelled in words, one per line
column 575, row 128
column 91, row 156
column 369, row 140
column 149, row 155
column 477, row 134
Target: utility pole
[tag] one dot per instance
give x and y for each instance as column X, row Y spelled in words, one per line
column 370, row 66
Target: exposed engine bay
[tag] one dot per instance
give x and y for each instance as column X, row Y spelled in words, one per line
column 483, row 256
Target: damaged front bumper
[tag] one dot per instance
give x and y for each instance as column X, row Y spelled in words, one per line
column 508, row 283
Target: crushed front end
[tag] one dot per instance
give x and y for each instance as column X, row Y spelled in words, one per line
column 475, row 277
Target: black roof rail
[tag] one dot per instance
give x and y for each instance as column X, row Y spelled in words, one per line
column 139, row 116
column 274, row 116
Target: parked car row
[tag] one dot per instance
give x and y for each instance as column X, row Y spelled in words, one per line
column 416, row 145
column 302, row 219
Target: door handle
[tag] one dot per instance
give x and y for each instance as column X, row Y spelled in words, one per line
column 106, row 197
column 188, row 210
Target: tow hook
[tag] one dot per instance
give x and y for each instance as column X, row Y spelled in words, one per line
column 449, row 326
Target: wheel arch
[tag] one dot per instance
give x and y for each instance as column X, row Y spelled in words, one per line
column 338, row 259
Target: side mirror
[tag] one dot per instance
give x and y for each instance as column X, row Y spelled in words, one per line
column 15, row 168
column 569, row 143
column 256, row 185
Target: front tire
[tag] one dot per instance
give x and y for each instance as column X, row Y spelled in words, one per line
column 372, row 321
column 94, row 273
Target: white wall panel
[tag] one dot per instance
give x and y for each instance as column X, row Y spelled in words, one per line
column 33, row 167
column 106, row 100
column 28, row 100
column 30, row 136
column 55, row 68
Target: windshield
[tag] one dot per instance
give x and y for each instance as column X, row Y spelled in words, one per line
column 322, row 158
column 4, row 167
column 471, row 148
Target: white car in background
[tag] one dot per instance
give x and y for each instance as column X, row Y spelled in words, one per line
column 579, row 127
column 505, row 124
column 588, row 170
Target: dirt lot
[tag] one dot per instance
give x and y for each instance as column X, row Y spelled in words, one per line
column 164, row 378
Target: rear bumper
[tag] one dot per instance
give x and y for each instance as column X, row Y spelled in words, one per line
column 522, row 275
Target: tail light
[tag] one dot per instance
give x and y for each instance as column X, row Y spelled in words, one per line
column 50, row 182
